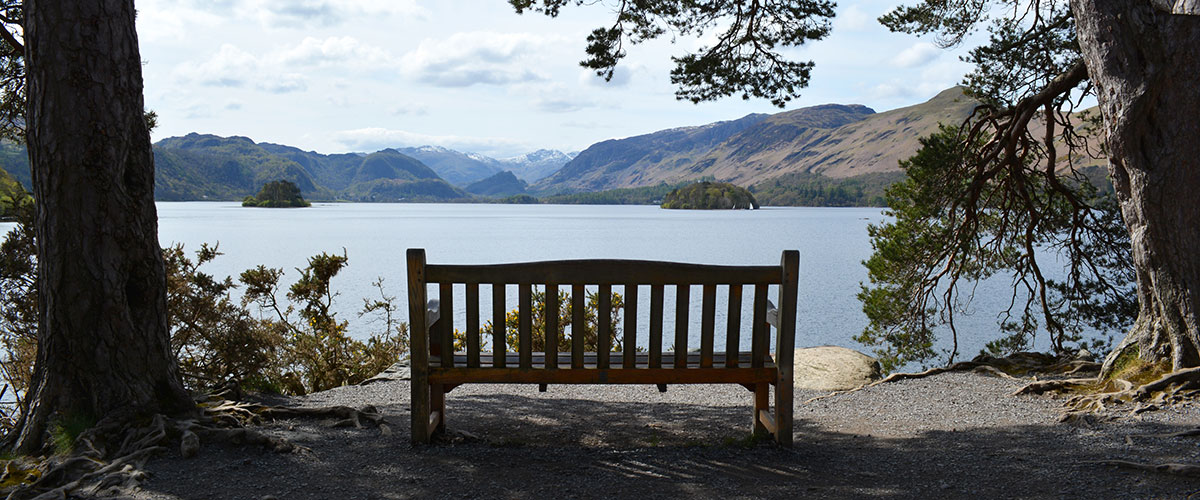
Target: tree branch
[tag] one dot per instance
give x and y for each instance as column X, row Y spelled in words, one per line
column 13, row 43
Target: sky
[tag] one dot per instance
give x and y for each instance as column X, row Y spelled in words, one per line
column 362, row 75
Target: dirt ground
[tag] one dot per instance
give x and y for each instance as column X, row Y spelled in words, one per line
column 954, row 435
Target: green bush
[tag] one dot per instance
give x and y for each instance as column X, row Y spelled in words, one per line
column 512, row 322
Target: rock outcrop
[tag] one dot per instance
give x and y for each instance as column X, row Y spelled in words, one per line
column 833, row 368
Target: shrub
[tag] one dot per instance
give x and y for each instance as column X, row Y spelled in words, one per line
column 565, row 319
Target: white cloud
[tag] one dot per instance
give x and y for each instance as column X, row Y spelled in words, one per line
column 918, row 54
column 229, row 67
column 410, row 109
column 336, row 51
column 307, row 13
column 376, row 138
column 622, row 75
column 285, row 70
column 853, row 18
column 282, row 84
column 480, row 57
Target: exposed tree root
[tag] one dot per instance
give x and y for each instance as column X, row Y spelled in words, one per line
column 976, row 367
column 112, row 453
column 1100, row 395
column 1011, row 367
column 1188, row 470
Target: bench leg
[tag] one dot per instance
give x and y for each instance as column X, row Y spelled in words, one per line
column 437, row 406
column 762, row 402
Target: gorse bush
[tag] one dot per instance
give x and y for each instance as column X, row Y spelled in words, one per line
column 317, row 352
column 566, row 329
column 18, row 309
column 293, row 346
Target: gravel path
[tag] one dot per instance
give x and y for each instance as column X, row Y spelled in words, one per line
column 955, row 435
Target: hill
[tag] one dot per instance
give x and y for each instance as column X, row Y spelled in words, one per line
column 10, row 191
column 642, row 160
column 208, row 167
column 502, row 184
column 832, row 140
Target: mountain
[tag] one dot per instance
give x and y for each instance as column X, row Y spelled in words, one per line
column 502, row 184
column 456, row 167
column 832, row 140
column 535, row 166
column 200, row 167
column 642, row 160
column 461, row 169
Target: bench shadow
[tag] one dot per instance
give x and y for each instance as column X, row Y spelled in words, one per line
column 545, row 447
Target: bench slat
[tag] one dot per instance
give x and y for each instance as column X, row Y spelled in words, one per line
column 446, row 299
column 525, row 326
column 640, row 360
column 759, row 335
column 473, row 325
column 611, row 376
column 499, row 323
column 603, row 271
column 682, row 292
column 733, row 329
column 551, row 315
column 604, row 325
column 708, row 314
column 656, row 325
column 630, row 342
column 578, row 324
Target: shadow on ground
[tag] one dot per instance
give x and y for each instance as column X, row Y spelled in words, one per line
column 536, row 447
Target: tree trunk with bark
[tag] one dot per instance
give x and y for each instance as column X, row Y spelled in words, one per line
column 1145, row 63
column 103, row 342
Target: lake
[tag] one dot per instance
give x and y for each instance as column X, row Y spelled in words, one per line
column 832, row 243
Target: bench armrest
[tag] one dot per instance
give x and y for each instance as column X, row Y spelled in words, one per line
column 433, row 312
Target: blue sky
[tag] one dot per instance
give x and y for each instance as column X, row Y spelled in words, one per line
column 362, row 75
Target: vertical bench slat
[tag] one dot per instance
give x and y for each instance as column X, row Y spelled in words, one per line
column 733, row 330
column 790, row 262
column 603, row 326
column 525, row 324
column 551, row 315
column 473, row 325
column 629, row 353
column 682, row 291
column 656, row 325
column 708, row 315
column 759, row 334
column 419, row 349
column 446, row 299
column 578, row 324
column 499, row 330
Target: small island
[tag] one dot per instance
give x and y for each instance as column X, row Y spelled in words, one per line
column 277, row 194
column 710, row 196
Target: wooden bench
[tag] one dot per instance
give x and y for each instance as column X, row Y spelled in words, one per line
column 432, row 326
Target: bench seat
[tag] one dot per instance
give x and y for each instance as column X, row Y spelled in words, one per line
column 641, row 373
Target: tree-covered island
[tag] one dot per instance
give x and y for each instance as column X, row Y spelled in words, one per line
column 707, row 195
column 277, row 194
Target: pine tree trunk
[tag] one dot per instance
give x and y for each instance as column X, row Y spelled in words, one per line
column 1145, row 64
column 103, row 342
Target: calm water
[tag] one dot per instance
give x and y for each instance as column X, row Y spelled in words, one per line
column 832, row 243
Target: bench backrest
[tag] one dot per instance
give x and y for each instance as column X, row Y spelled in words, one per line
column 630, row 275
